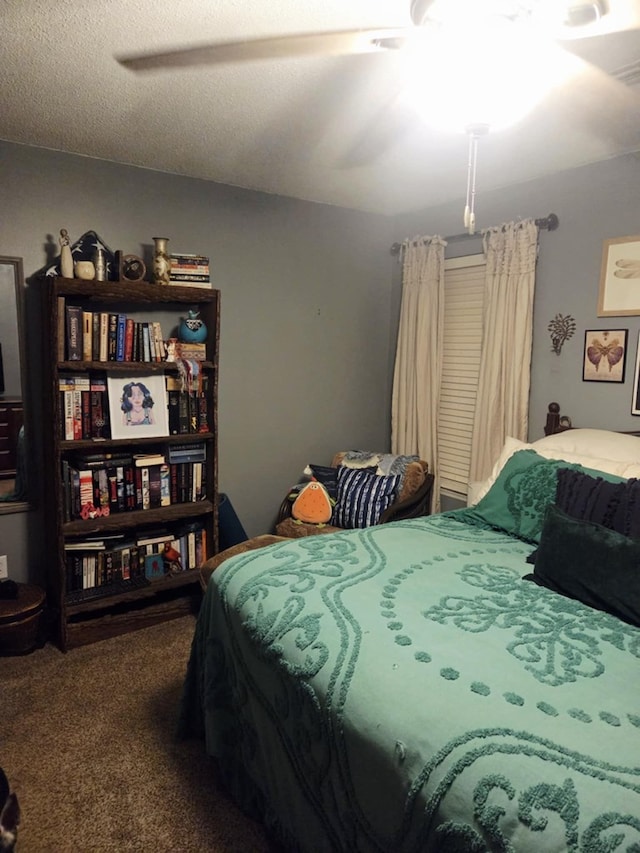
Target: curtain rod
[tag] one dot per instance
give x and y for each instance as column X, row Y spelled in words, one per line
column 547, row 223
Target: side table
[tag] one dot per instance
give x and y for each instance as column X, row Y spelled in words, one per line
column 20, row 620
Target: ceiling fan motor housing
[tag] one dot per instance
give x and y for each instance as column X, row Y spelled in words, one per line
column 583, row 14
column 576, row 14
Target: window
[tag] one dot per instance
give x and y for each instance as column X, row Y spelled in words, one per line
column 463, row 320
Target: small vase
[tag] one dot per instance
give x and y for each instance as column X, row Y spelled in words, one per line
column 192, row 329
column 161, row 261
column 85, row 270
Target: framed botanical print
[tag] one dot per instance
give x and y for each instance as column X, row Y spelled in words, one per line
column 620, row 278
column 605, row 355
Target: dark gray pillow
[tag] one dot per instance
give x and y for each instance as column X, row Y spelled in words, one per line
column 615, row 505
column 590, row 563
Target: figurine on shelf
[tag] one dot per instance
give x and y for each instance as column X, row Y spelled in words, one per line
column 170, row 348
column 192, row 329
column 66, row 259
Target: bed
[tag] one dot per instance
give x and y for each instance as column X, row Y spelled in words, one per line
column 404, row 688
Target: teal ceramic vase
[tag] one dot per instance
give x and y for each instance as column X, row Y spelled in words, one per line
column 192, row 330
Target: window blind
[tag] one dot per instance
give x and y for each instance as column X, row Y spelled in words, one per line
column 463, row 320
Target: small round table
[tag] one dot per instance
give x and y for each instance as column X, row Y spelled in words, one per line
column 20, row 620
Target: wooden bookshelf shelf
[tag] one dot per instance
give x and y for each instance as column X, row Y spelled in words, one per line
column 111, row 547
column 169, row 582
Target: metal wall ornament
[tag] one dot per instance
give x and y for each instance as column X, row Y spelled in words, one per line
column 562, row 327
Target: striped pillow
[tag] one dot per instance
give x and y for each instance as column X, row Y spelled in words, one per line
column 362, row 497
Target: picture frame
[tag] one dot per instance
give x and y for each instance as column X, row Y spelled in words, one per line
column 635, row 401
column 144, row 413
column 619, row 294
column 605, row 355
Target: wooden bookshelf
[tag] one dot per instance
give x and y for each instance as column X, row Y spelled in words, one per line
column 76, row 620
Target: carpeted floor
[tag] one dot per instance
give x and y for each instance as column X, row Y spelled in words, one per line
column 87, row 741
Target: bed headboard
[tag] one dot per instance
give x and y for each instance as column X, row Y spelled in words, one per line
column 559, row 423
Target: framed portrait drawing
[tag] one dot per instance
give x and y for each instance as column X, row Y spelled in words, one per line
column 619, row 294
column 605, row 355
column 138, row 406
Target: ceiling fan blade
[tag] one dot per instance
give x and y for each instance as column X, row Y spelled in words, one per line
column 275, row 47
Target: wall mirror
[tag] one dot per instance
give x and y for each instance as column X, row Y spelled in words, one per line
column 13, row 486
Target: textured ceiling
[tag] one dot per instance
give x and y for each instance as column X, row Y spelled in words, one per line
column 329, row 129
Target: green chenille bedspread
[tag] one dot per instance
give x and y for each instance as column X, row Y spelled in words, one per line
column 401, row 688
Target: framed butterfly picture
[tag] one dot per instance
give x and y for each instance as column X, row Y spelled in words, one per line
column 605, row 355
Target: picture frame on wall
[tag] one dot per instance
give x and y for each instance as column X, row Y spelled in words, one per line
column 605, row 355
column 635, row 401
column 619, row 294
column 138, row 406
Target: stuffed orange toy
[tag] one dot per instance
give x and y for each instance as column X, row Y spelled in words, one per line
column 313, row 504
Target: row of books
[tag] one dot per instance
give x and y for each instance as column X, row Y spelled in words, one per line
column 188, row 410
column 103, row 561
column 85, row 410
column 101, row 484
column 190, row 270
column 84, row 406
column 106, row 336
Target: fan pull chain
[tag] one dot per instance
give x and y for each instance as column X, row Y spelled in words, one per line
column 474, row 131
column 467, row 207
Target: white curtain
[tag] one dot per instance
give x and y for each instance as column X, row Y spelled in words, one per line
column 417, row 372
column 502, row 403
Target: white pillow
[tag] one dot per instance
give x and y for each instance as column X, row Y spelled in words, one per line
column 602, row 450
column 511, row 445
column 601, row 443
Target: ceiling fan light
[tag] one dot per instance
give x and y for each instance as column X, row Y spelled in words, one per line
column 486, row 74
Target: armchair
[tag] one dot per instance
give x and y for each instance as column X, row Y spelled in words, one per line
column 410, row 499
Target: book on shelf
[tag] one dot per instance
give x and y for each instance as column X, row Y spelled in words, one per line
column 112, row 337
column 157, row 536
column 95, row 336
column 182, row 259
column 73, row 315
column 103, row 351
column 191, row 281
column 192, row 452
column 99, row 407
column 142, row 460
column 87, row 335
column 128, row 339
column 152, row 341
column 61, row 338
column 120, row 336
column 161, row 352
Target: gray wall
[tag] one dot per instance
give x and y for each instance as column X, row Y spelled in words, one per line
column 310, row 299
column 593, row 203
column 305, row 318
